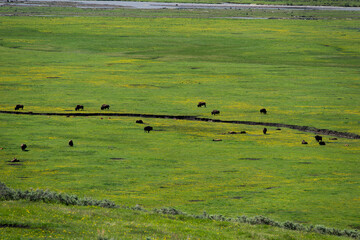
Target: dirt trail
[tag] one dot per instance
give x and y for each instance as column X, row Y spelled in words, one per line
column 194, row 118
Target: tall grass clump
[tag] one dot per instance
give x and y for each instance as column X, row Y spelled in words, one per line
column 46, row 196
column 262, row 220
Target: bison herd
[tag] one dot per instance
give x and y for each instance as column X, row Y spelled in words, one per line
column 107, row 107
column 77, row 108
column 149, row 128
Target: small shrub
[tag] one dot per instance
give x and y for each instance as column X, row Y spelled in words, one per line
column 46, row 196
column 138, row 208
column 171, row 211
column 320, row 229
column 293, row 226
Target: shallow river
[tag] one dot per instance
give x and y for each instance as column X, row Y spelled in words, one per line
column 160, row 5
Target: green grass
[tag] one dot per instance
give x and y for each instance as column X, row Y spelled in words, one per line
column 343, row 3
column 43, row 221
column 303, row 72
column 183, row 13
column 181, row 166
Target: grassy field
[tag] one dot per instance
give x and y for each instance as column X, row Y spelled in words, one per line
column 44, row 221
column 303, row 72
column 343, row 3
column 183, row 13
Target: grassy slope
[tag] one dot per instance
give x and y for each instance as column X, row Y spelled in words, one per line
column 146, row 65
column 44, row 221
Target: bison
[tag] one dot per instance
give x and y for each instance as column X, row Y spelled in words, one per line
column 139, row 121
column 215, row 112
column 148, row 129
column 18, row 106
column 264, row 130
column 318, row 138
column 304, row 142
column 263, row 110
column 105, row 106
column 78, row 107
column 15, row 160
column 23, row 146
column 200, row 104
column 322, row 143
column 71, row 143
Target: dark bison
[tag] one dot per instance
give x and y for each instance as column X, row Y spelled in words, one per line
column 264, row 130
column 215, row 112
column 139, row 121
column 322, row 143
column 148, row 129
column 243, row 132
column 78, row 107
column 304, row 142
column 318, row 138
column 263, row 110
column 105, row 106
column 18, row 106
column 200, row 104
column 23, row 146
column 71, row 143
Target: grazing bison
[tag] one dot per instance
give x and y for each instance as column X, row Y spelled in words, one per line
column 322, row 143
column 200, row 104
column 215, row 112
column 263, row 110
column 304, row 142
column 23, row 146
column 243, row 132
column 264, row 130
column 15, row 160
column 105, row 106
column 148, row 129
column 71, row 143
column 318, row 138
column 18, row 106
column 139, row 121
column 78, row 107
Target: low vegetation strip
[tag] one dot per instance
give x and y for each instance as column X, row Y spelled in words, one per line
column 257, row 220
column 7, row 193
column 46, row 196
column 194, row 118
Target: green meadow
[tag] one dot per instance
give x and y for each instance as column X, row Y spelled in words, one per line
column 343, row 3
column 303, row 72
